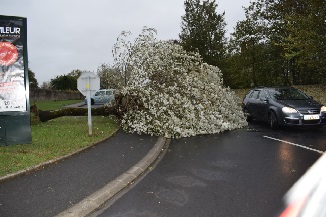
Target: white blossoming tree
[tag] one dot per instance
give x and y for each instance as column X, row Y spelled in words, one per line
column 173, row 93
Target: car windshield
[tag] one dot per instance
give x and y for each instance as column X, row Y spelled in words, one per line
column 287, row 94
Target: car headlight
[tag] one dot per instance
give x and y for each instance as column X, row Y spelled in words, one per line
column 289, row 110
column 323, row 109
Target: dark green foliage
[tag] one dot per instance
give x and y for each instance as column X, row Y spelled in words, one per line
column 279, row 43
column 33, row 84
column 100, row 111
column 203, row 31
column 75, row 73
column 64, row 82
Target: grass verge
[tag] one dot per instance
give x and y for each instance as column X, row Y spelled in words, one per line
column 54, row 105
column 54, row 139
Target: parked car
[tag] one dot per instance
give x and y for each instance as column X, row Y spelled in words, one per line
column 307, row 198
column 102, row 96
column 283, row 106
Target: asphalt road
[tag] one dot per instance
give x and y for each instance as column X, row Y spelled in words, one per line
column 243, row 173
column 56, row 187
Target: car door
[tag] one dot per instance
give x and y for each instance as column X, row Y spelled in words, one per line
column 108, row 94
column 262, row 105
column 105, row 97
column 98, row 97
column 252, row 104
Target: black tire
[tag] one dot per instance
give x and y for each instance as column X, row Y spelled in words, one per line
column 273, row 123
column 92, row 102
column 248, row 117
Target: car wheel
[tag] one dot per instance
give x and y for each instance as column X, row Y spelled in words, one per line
column 92, row 102
column 273, row 121
column 248, row 117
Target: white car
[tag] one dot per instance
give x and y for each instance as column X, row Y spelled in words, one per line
column 307, row 198
column 102, row 96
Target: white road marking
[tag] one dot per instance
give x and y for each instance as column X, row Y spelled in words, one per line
column 301, row 146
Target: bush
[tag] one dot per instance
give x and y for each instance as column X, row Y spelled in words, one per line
column 100, row 111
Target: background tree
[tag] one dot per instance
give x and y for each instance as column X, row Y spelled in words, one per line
column 33, row 84
column 304, row 45
column 75, row 73
column 121, row 55
column 46, row 85
column 203, row 31
column 64, row 82
column 110, row 77
column 280, row 42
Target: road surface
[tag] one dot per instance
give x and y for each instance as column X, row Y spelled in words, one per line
column 244, row 172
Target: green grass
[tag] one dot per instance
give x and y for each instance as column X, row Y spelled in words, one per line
column 55, row 138
column 54, row 105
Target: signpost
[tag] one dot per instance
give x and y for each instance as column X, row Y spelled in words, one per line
column 88, row 83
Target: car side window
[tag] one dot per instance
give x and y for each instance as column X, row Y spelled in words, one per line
column 248, row 95
column 255, row 94
column 101, row 93
column 263, row 95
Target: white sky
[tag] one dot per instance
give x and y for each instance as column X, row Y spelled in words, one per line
column 64, row 35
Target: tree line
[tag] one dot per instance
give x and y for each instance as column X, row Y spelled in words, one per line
column 280, row 42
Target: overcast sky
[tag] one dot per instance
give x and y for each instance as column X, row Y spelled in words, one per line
column 64, row 35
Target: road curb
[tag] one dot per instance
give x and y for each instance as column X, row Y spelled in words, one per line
column 98, row 198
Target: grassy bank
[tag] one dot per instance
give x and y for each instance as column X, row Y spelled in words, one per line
column 55, row 105
column 54, row 139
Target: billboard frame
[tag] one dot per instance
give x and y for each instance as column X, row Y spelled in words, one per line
column 15, row 125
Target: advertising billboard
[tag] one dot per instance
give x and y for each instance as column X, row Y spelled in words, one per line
column 14, row 86
column 12, row 70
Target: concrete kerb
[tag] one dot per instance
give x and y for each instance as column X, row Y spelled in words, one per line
column 47, row 163
column 97, row 199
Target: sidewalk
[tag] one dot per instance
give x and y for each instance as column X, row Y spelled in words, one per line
column 104, row 169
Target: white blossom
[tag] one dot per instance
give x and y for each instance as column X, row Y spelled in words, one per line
column 173, row 93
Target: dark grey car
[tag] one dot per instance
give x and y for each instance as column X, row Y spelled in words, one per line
column 283, row 106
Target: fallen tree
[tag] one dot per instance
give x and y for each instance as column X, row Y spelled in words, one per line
column 172, row 93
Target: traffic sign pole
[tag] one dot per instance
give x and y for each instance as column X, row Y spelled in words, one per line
column 89, row 109
column 88, row 84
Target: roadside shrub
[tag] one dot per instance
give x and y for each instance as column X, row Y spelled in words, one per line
column 100, row 111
